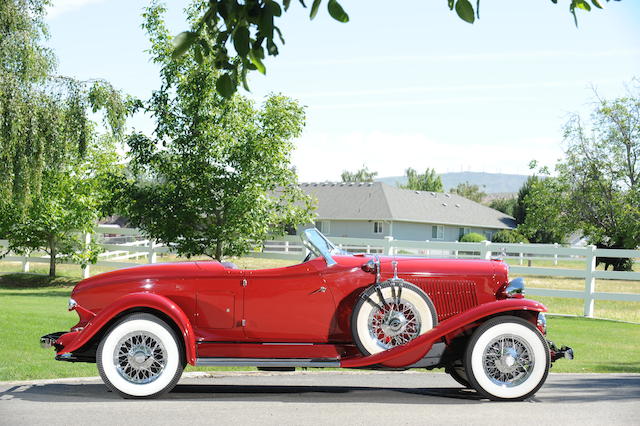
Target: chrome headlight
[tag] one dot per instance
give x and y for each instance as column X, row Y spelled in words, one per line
column 72, row 304
column 515, row 289
column 542, row 323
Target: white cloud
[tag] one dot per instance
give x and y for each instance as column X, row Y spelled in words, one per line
column 60, row 7
column 323, row 156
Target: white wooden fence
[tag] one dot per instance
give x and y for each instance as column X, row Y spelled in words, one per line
column 124, row 246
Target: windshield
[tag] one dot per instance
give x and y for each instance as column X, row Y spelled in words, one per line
column 319, row 245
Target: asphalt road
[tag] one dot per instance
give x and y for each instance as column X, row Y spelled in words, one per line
column 318, row 398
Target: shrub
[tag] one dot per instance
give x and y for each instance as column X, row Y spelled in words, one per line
column 472, row 237
column 509, row 237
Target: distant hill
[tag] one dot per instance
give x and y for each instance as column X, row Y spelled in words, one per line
column 493, row 182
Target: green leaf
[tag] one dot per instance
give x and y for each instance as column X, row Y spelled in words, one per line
column 255, row 60
column 465, row 11
column 597, row 4
column 225, row 86
column 241, row 41
column 197, row 55
column 275, row 8
column 337, row 12
column 182, row 43
column 266, row 22
column 582, row 4
column 314, row 8
column 286, row 4
column 451, row 3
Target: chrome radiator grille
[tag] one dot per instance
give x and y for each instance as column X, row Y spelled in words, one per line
column 450, row 297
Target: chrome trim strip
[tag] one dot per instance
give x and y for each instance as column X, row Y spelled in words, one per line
column 269, row 362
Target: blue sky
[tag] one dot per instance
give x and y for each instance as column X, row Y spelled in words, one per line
column 408, row 85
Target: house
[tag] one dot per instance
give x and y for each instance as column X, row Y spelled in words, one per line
column 376, row 210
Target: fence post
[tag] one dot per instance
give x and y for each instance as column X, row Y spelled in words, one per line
column 485, row 251
column 286, row 246
column 521, row 254
column 589, row 281
column 368, row 249
column 152, row 256
column 555, row 255
column 388, row 246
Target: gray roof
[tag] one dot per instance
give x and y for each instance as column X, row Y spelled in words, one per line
column 379, row 201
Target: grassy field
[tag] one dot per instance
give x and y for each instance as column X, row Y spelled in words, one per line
column 28, row 313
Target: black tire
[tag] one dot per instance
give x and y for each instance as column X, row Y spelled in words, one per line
column 411, row 314
column 507, row 359
column 140, row 357
column 458, row 373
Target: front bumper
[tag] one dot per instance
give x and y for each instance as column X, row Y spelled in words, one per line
column 556, row 353
column 49, row 340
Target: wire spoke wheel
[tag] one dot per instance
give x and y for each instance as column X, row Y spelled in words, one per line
column 140, row 357
column 394, row 323
column 391, row 314
column 507, row 358
column 508, row 361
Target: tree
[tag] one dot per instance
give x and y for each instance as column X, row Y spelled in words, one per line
column 215, row 178
column 469, row 191
column 505, row 205
column 597, row 188
column 509, row 236
column 247, row 27
column 362, row 175
column 520, row 210
column 45, row 135
column 72, row 200
column 428, row 181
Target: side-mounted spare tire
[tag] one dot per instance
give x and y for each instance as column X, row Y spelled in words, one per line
column 391, row 314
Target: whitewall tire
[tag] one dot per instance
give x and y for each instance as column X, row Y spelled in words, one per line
column 140, row 356
column 507, row 359
column 391, row 314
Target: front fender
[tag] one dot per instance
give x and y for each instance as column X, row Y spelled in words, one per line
column 410, row 353
column 73, row 341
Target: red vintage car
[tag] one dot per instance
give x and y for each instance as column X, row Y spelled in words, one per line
column 142, row 325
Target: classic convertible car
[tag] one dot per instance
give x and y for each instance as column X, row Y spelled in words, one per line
column 142, row 325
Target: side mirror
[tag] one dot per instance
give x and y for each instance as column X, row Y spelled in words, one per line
column 373, row 267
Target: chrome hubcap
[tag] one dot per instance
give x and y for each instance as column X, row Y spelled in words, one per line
column 140, row 357
column 394, row 323
column 508, row 360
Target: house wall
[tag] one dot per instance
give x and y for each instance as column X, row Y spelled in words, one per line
column 399, row 230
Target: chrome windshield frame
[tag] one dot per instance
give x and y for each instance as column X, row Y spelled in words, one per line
column 319, row 245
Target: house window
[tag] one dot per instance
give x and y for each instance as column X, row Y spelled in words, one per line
column 462, row 232
column 323, row 226
column 437, row 232
column 487, row 235
column 377, row 227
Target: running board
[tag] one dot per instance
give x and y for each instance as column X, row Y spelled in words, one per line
column 268, row 362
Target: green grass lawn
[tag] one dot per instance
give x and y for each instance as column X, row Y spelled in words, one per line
column 28, row 313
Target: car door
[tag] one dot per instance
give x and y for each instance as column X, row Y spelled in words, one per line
column 219, row 311
column 291, row 304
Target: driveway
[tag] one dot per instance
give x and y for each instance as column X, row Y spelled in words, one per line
column 321, row 397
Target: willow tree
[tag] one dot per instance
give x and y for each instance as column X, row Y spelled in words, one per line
column 215, row 177
column 48, row 144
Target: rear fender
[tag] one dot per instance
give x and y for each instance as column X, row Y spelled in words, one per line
column 410, row 353
column 75, row 340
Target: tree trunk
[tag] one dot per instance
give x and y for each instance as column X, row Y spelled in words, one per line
column 218, row 255
column 52, row 258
